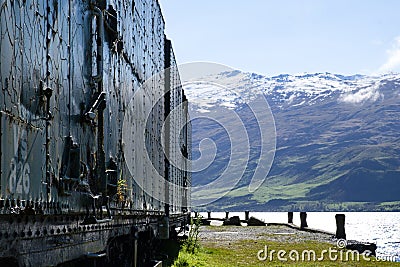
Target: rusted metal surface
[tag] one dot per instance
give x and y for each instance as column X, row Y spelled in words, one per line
column 69, row 71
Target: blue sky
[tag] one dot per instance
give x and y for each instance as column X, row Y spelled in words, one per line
column 287, row 36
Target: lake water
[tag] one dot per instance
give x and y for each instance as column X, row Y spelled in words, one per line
column 381, row 228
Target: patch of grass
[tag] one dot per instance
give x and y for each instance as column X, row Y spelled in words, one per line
column 264, row 194
column 186, row 259
column 390, row 205
column 244, row 253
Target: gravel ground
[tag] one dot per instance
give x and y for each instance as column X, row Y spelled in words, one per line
column 279, row 233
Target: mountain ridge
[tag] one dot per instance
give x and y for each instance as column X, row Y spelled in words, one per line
column 333, row 132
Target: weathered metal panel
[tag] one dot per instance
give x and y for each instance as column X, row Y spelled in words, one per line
column 124, row 78
column 22, row 123
column 69, row 71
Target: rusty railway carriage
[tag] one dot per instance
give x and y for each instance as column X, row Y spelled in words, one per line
column 71, row 191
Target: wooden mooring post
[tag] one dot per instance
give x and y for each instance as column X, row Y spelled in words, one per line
column 340, row 230
column 226, row 214
column 290, row 217
column 209, row 214
column 246, row 215
column 303, row 219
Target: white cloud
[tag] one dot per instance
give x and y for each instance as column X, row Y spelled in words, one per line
column 393, row 60
column 362, row 95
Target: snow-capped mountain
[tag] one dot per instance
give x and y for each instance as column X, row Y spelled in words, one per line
column 295, row 90
column 338, row 139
